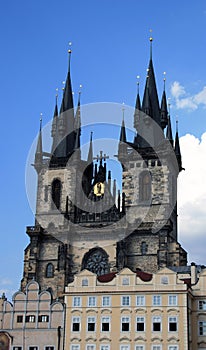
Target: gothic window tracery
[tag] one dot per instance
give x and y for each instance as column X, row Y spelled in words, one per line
column 56, row 193
column 96, row 261
column 145, row 187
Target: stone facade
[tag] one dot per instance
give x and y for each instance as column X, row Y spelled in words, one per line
column 78, row 226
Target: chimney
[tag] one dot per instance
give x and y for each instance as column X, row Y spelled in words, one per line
column 193, row 273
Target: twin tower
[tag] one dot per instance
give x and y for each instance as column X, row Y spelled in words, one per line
column 82, row 221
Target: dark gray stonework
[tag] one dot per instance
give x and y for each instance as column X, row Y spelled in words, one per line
column 81, row 222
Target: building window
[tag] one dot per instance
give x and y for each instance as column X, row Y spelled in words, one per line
column 105, row 324
column 202, row 304
column 145, row 187
column 172, row 300
column 126, row 300
column 156, row 347
column 139, row 347
column 56, row 194
column 140, row 300
column 125, row 324
column 77, row 301
column 33, row 347
column 140, row 324
column 50, row 270
column 124, row 347
column 48, row 347
column 106, row 301
column 30, row 318
column 91, row 324
column 157, row 300
column 92, row 301
column 144, row 248
column 75, row 324
column 17, row 347
column 85, row 282
column 43, row 318
column 104, row 347
column 173, row 347
column 156, row 324
column 172, row 324
column 125, row 281
column 75, row 347
column 19, row 319
column 90, row 347
column 202, row 328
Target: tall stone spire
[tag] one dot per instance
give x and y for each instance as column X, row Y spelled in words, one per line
column 163, row 111
column 122, row 137
column 90, row 153
column 137, row 108
column 67, row 100
column 177, row 148
column 150, row 100
column 90, row 166
column 77, row 124
column 169, row 131
column 54, row 132
column 122, row 149
column 66, row 133
column 39, row 151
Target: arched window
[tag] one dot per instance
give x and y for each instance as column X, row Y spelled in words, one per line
column 50, row 270
column 145, row 187
column 143, row 248
column 56, row 194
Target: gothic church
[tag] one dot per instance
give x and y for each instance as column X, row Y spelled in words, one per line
column 81, row 221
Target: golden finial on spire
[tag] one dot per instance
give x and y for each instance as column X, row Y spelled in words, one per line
column 70, row 45
column 147, row 72
column 40, row 120
column 177, row 121
column 164, row 74
column 80, row 88
column 151, row 38
column 164, row 78
column 57, row 90
column 138, row 77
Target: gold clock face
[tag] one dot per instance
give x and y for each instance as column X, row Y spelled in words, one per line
column 99, row 189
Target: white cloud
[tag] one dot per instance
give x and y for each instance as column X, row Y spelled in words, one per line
column 177, row 90
column 185, row 101
column 192, row 195
column 201, row 97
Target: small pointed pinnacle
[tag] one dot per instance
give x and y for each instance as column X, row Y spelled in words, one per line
column 90, row 153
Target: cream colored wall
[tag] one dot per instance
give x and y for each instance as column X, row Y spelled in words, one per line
column 36, row 303
column 115, row 289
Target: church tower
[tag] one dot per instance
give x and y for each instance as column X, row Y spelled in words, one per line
column 81, row 222
column 151, row 164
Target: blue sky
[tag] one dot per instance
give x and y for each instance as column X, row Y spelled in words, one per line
column 110, row 48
